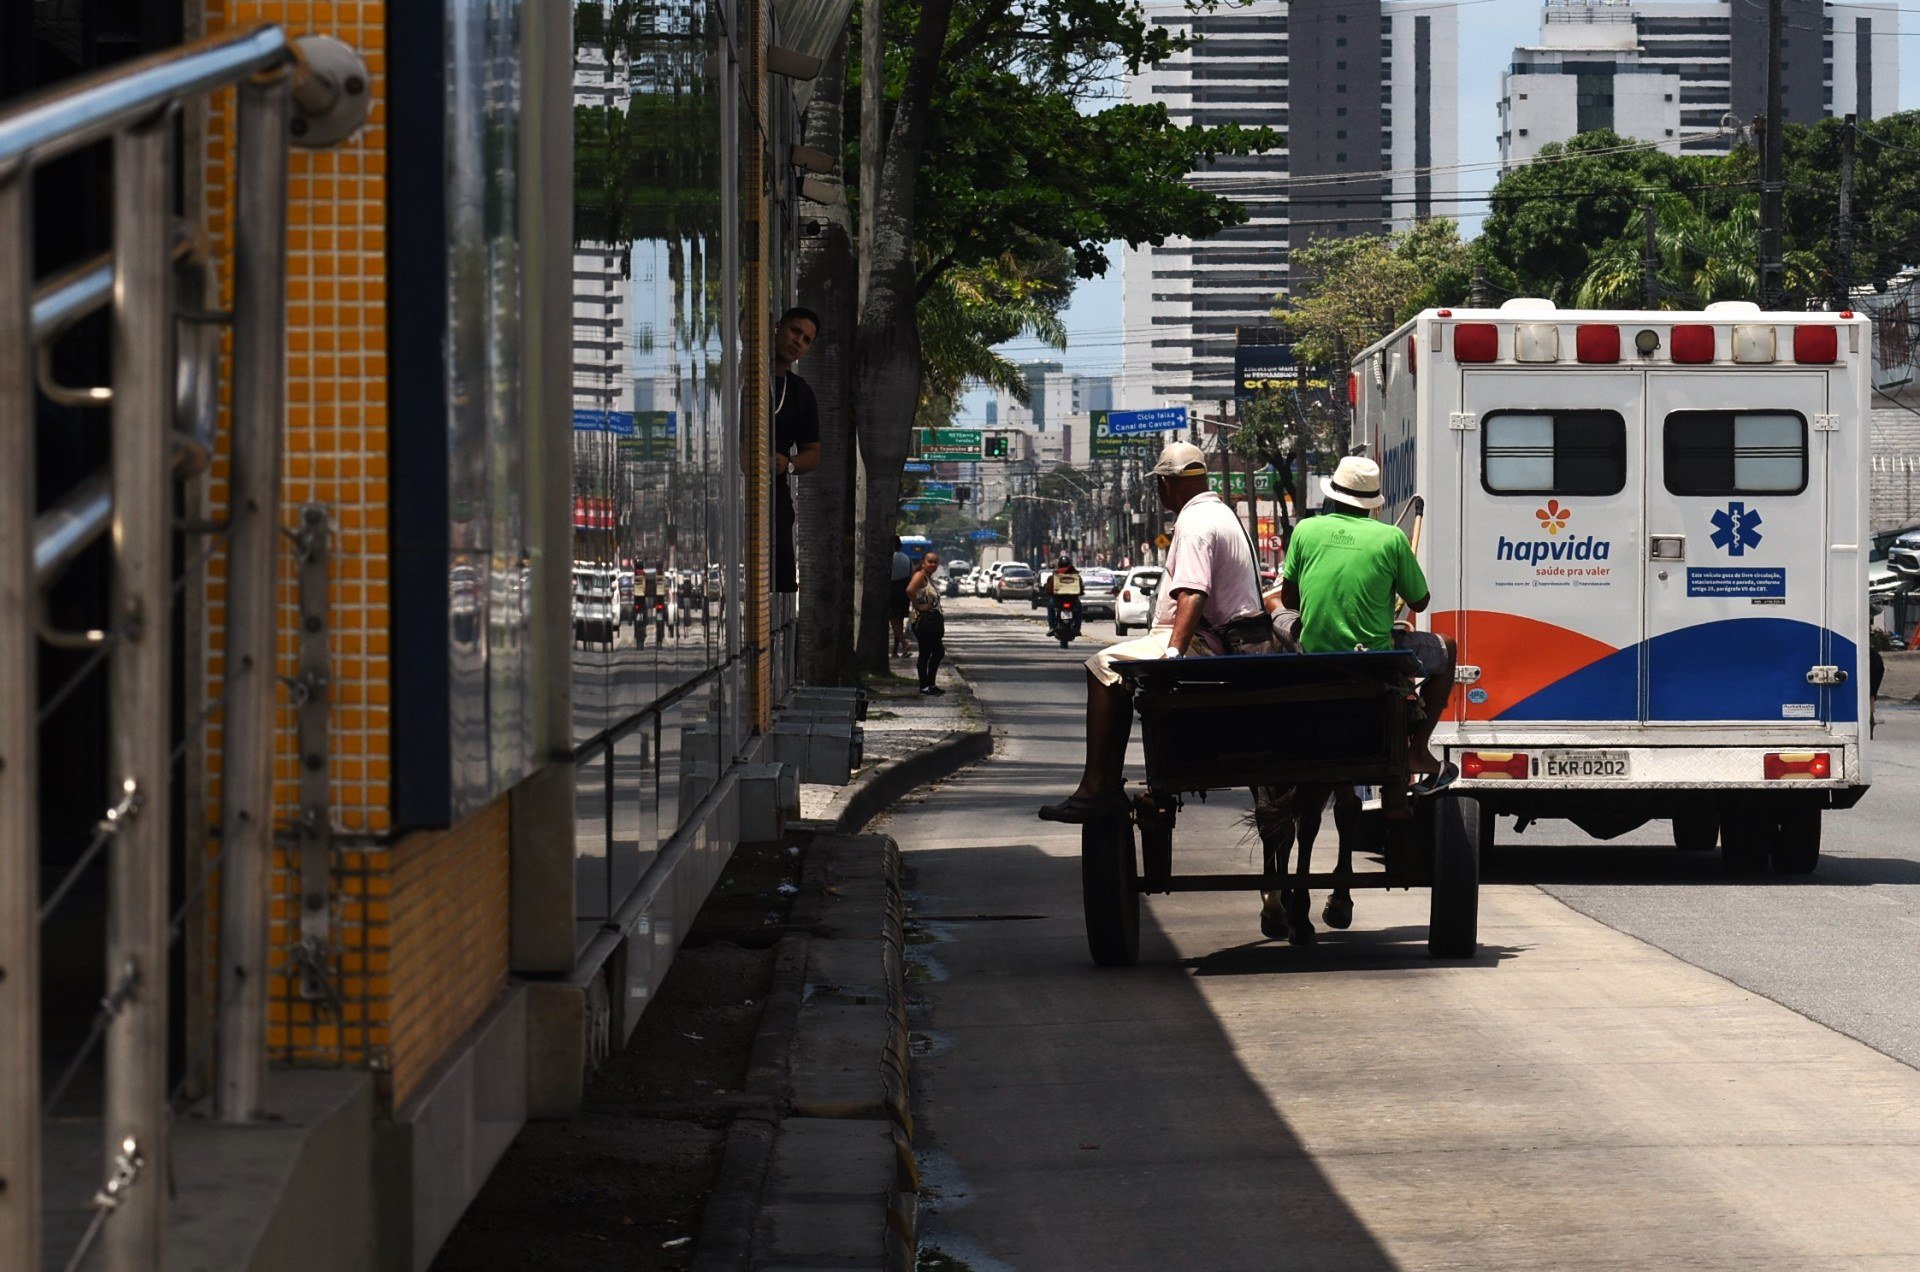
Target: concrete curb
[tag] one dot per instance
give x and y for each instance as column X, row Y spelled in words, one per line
column 753, row 1163
column 885, row 784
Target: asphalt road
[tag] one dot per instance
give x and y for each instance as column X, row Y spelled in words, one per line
column 1613, row 1083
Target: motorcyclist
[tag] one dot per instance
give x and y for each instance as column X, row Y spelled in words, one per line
column 1064, row 581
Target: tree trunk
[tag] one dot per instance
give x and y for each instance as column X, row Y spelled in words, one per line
column 825, row 497
column 887, row 358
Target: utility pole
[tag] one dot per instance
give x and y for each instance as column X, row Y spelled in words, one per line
column 1771, row 253
column 1477, row 294
column 1649, row 256
column 1843, row 232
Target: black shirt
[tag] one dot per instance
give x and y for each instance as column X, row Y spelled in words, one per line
column 796, row 424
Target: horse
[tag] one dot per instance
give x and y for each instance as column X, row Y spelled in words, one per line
column 1285, row 816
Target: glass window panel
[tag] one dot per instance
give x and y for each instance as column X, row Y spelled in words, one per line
column 1735, row 452
column 636, row 808
column 592, row 899
column 1554, row 453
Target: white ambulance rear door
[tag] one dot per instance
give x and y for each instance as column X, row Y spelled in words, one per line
column 1549, row 589
column 1737, row 512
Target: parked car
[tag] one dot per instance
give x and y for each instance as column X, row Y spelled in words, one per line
column 1133, row 606
column 1903, row 555
column 596, row 611
column 958, row 582
column 1015, row 580
column 982, row 580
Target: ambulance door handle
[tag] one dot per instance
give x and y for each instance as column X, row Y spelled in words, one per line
column 1667, row 547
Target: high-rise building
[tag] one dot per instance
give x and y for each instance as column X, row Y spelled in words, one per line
column 1688, row 73
column 603, row 377
column 1364, row 91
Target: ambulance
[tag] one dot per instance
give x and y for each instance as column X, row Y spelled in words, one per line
column 1647, row 533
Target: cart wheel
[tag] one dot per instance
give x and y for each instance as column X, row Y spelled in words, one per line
column 1796, row 850
column 1746, row 841
column 1453, row 918
column 1696, row 832
column 1109, row 892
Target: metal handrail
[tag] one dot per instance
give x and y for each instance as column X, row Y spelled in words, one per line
column 133, row 107
column 95, row 107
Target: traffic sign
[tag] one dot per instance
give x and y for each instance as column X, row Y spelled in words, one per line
column 1161, row 542
column 1106, row 444
column 1158, row 420
column 914, row 466
column 981, row 536
column 949, row 444
column 935, row 492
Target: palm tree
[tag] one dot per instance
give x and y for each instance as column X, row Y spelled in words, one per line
column 1700, row 257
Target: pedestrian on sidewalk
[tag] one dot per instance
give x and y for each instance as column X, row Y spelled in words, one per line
column 796, row 435
column 897, row 607
column 929, row 624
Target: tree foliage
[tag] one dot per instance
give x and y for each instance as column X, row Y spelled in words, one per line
column 1568, row 226
column 1349, row 292
column 970, row 309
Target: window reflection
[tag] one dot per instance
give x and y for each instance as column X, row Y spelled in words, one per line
column 648, row 485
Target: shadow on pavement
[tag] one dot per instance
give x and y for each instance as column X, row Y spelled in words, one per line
column 1659, row 865
column 1395, row 949
column 1096, row 1118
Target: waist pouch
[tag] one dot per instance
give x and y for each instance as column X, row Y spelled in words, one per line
column 1250, row 634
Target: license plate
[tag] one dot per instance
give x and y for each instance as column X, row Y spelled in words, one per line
column 1583, row 764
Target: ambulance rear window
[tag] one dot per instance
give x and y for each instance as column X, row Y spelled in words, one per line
column 1736, row 452
column 1553, row 453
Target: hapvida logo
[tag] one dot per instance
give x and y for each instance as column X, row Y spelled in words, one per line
column 1553, row 518
column 1539, row 550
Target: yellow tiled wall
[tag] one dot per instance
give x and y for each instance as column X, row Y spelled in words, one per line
column 419, row 926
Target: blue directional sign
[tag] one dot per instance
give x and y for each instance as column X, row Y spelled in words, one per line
column 590, row 420
column 981, row 536
column 915, row 466
column 1134, row 423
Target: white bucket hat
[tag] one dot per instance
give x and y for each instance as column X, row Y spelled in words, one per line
column 1356, row 481
column 1180, row 459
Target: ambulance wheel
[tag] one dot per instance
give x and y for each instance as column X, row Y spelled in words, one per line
column 1119, row 628
column 1797, row 848
column 1453, row 915
column 1696, row 832
column 1746, row 842
column 1110, row 892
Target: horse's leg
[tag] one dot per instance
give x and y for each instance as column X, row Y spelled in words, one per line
column 1346, row 822
column 1309, row 803
column 1273, row 817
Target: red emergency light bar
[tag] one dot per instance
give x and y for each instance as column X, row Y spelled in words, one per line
column 1476, row 342
column 1798, row 766
column 1596, row 343
column 1692, row 342
column 1412, row 355
column 1513, row 765
column 1816, row 344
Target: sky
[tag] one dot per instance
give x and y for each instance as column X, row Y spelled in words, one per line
column 1489, row 31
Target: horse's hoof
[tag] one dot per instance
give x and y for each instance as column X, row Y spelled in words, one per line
column 1298, row 910
column 1273, row 923
column 1339, row 911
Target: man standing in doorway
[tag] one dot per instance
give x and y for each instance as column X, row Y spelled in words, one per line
column 796, row 435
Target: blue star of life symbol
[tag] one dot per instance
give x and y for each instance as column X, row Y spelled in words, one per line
column 1736, row 529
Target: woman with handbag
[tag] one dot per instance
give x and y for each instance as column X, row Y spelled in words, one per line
column 929, row 624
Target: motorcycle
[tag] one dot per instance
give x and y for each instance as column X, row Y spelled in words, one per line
column 1066, row 621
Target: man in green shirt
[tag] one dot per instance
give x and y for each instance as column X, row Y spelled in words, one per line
column 1343, row 572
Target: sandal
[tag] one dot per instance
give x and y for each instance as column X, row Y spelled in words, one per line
column 1076, row 811
column 1449, row 774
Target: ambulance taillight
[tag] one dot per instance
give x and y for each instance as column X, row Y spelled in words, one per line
column 1512, row 765
column 1798, row 766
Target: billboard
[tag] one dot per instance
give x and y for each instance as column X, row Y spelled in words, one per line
column 1258, row 368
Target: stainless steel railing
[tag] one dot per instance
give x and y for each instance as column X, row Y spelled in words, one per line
column 160, row 424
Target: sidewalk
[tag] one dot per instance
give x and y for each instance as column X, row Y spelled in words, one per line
column 901, row 724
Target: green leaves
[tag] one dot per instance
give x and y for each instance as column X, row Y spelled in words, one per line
column 1349, row 292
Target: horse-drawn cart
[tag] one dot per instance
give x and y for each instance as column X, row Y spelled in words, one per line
column 1279, row 721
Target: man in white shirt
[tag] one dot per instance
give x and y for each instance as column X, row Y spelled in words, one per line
column 1211, row 579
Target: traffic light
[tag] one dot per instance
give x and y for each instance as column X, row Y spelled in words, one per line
column 963, row 494
column 996, row 446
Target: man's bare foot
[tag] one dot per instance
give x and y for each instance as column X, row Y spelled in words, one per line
column 1422, row 761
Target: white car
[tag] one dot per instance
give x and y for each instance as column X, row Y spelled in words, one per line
column 982, row 580
column 1133, row 605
